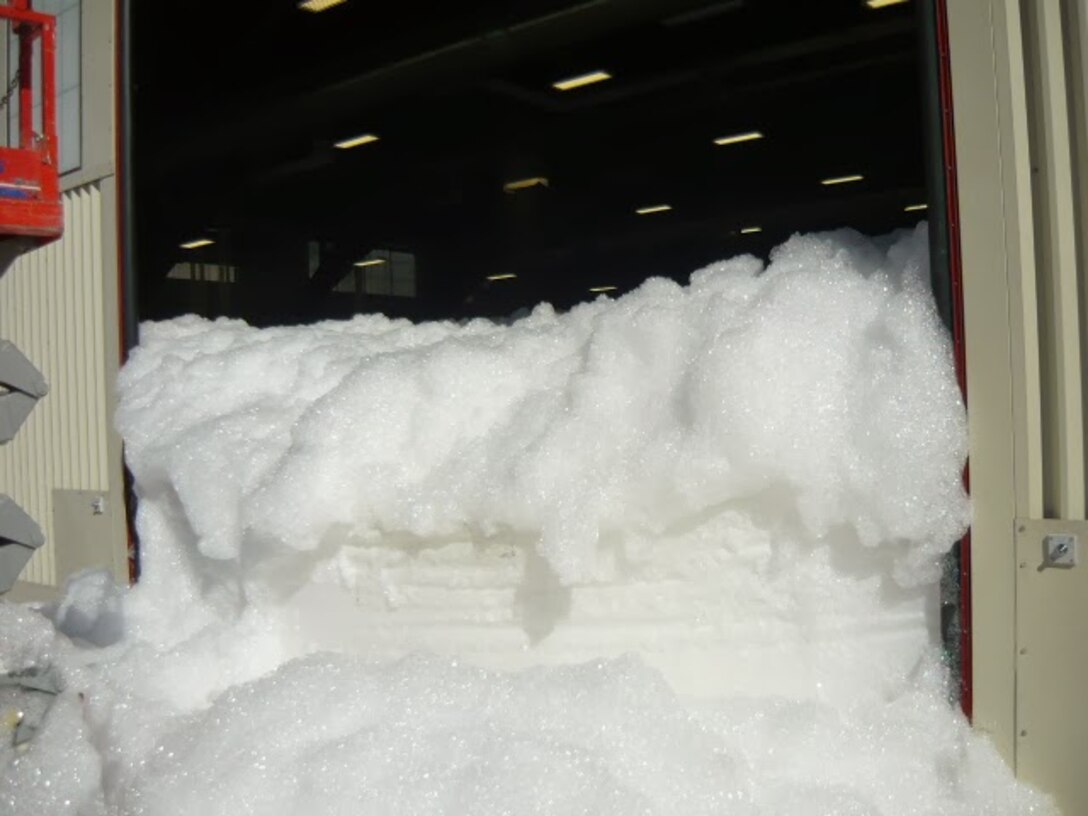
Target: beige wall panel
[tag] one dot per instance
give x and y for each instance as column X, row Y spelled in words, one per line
column 994, row 177
column 1018, row 87
column 1052, row 667
column 53, row 306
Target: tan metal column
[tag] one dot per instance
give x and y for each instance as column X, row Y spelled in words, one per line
column 1018, row 71
column 994, row 177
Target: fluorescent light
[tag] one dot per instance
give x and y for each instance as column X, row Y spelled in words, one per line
column 656, row 208
column 737, row 138
column 198, row 243
column 355, row 141
column 598, row 289
column 750, row 230
column 319, row 5
column 705, row 13
column 581, row 80
column 370, row 262
column 524, row 184
column 507, row 276
column 841, row 180
column 916, row 207
column 876, row 4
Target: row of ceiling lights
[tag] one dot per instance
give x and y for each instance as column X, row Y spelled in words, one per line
column 324, row 5
column 541, row 181
column 596, row 290
column 507, row 276
column 568, row 84
column 199, row 243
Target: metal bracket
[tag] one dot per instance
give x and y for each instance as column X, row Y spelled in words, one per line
column 32, row 682
column 1060, row 550
column 21, row 386
column 20, row 536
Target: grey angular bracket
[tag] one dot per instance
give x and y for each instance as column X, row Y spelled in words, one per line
column 21, row 386
column 20, row 536
column 34, row 681
column 11, row 249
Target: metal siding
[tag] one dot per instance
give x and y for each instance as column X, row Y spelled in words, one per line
column 1055, row 64
column 52, row 306
column 1021, row 111
column 1075, row 32
column 1052, row 604
column 993, row 176
column 1052, row 665
column 1050, row 100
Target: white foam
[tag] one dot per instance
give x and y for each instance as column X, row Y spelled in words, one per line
column 745, row 483
column 827, row 376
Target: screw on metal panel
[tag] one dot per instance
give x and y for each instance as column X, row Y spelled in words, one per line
column 1021, row 528
column 1023, row 651
column 1023, row 564
column 1059, row 550
column 1024, row 733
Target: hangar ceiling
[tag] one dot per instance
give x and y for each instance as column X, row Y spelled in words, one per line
column 239, row 107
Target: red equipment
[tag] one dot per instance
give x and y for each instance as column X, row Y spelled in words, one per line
column 31, row 213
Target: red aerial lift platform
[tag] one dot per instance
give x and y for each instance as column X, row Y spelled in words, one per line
column 31, row 212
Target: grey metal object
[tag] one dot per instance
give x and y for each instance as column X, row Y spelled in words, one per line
column 21, row 386
column 34, row 690
column 1060, row 550
column 20, row 536
column 11, row 249
column 35, row 678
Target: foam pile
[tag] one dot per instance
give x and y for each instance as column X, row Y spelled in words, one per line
column 354, row 532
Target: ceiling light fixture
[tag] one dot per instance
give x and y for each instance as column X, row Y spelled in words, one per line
column 198, row 243
column 841, row 180
column 656, row 208
column 581, row 80
column 599, row 289
column 916, row 207
column 750, row 230
column 507, row 276
column 319, row 5
column 355, row 141
column 524, row 184
column 704, row 13
column 737, row 138
column 370, row 262
column 878, row 4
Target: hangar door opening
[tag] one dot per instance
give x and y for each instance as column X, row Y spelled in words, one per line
column 304, row 161
column 498, row 158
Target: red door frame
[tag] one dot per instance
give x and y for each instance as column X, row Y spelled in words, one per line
column 955, row 265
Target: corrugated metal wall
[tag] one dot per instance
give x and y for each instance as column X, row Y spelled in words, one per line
column 1020, row 104
column 52, row 307
column 1051, row 602
column 1054, row 73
